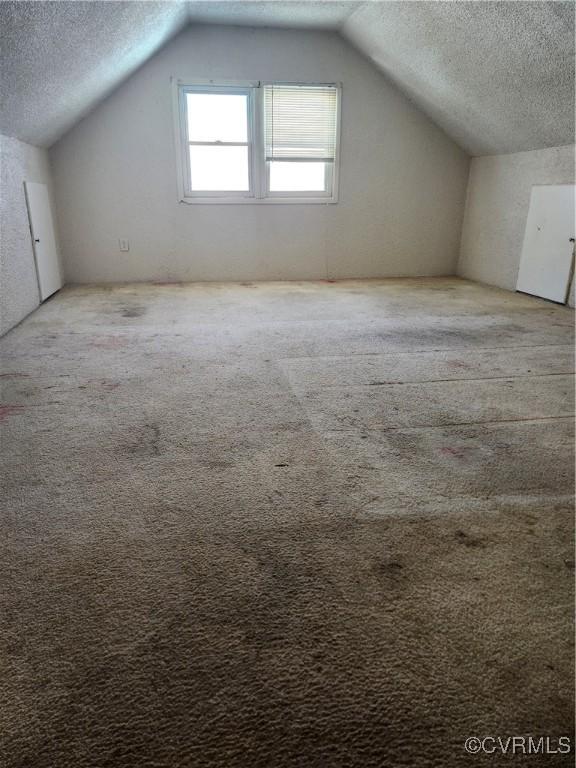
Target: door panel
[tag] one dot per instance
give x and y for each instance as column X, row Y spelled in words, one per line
column 43, row 238
column 547, row 253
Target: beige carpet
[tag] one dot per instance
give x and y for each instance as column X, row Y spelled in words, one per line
column 285, row 525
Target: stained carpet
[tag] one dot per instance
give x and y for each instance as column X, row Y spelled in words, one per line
column 285, row 525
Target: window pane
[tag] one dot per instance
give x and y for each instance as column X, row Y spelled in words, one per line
column 297, row 177
column 217, row 117
column 219, row 169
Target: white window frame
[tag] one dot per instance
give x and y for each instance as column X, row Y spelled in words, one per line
column 259, row 169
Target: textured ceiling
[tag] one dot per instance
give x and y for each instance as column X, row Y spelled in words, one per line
column 497, row 76
column 58, row 59
column 312, row 14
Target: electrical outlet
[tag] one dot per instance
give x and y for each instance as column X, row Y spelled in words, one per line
column 124, row 244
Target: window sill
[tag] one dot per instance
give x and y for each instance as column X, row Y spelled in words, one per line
column 258, row 200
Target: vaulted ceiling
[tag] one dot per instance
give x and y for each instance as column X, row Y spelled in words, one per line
column 497, row 76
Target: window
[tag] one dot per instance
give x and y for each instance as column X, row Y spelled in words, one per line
column 300, row 138
column 258, row 143
column 219, row 142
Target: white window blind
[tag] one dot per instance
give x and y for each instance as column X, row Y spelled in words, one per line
column 300, row 122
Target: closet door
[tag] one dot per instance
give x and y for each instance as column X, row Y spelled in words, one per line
column 43, row 238
column 548, row 250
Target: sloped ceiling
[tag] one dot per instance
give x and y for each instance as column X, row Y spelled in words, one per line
column 497, row 76
column 59, row 59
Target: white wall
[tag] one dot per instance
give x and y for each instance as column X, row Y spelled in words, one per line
column 401, row 193
column 19, row 162
column 497, row 206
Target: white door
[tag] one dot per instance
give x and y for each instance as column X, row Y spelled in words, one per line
column 43, row 238
column 547, row 253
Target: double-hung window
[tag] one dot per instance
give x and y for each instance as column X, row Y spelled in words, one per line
column 258, row 143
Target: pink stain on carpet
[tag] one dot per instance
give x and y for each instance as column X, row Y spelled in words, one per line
column 8, row 410
column 456, row 452
column 110, row 342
